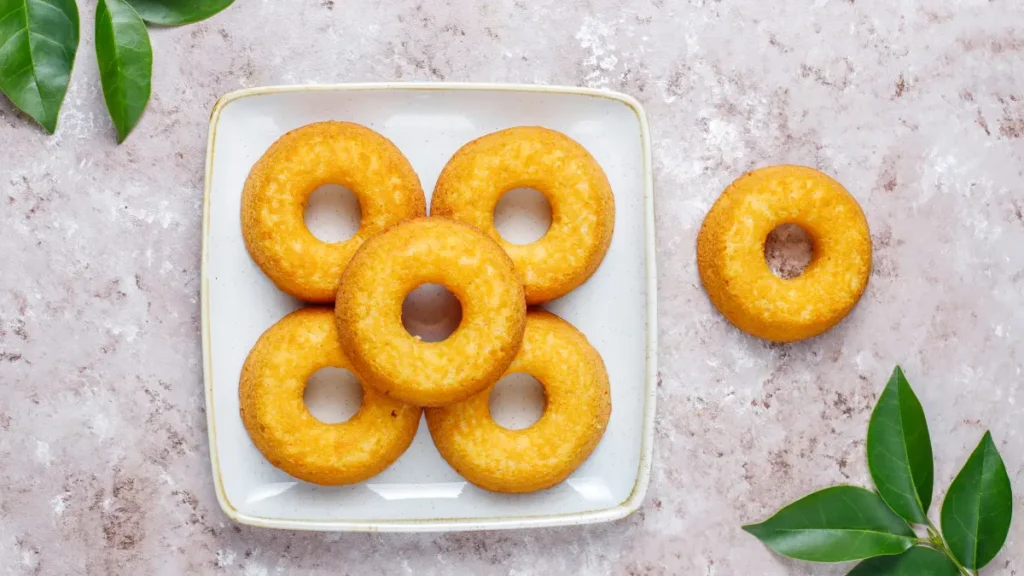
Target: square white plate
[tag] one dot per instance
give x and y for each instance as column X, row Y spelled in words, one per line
column 615, row 309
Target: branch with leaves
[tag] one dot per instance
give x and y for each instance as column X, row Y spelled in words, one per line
column 39, row 41
column 846, row 523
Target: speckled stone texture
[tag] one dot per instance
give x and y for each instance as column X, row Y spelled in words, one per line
column 916, row 106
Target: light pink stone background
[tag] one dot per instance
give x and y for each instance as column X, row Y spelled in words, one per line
column 916, row 106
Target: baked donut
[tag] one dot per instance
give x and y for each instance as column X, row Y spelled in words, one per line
column 270, row 392
column 430, row 251
column 731, row 261
column 279, row 185
column 542, row 455
column 582, row 206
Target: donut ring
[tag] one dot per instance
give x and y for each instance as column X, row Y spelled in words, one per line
column 278, row 187
column 578, row 407
column 731, row 261
column 270, row 392
column 582, row 205
column 430, row 251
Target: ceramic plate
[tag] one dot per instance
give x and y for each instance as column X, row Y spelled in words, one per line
column 615, row 308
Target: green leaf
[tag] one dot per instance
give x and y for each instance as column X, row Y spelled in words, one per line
column 38, row 42
column 837, row 524
column 978, row 507
column 917, row 561
column 900, row 451
column 177, row 12
column 126, row 63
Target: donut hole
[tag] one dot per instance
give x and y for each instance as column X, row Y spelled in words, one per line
column 522, row 216
column 517, row 401
column 333, row 395
column 431, row 312
column 333, row 213
column 788, row 249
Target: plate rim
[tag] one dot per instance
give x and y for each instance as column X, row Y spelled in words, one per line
column 618, row 511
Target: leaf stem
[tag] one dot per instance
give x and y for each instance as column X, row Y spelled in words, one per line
column 936, row 541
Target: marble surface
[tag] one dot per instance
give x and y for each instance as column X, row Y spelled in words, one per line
column 916, row 106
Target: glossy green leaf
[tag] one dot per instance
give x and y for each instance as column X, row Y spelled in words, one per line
column 126, row 63
column 38, row 42
column 900, row 451
column 837, row 524
column 978, row 507
column 918, row 561
column 177, row 12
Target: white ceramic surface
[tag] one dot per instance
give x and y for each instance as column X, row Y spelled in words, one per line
column 615, row 309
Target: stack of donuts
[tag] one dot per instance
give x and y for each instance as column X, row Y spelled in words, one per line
column 397, row 249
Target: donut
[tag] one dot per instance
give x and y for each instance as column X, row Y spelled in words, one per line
column 279, row 185
column 582, row 206
column 578, row 407
column 270, row 392
column 430, row 251
column 731, row 260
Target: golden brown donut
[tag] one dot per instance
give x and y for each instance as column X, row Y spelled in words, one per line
column 270, row 390
column 578, row 407
column 582, row 205
column 280, row 183
column 430, row 251
column 731, row 261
